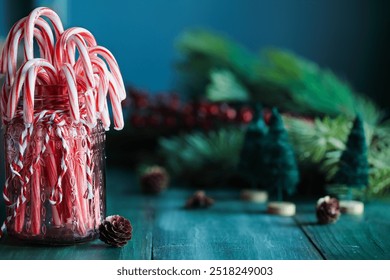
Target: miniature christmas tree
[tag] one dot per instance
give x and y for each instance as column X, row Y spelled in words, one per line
column 353, row 166
column 280, row 170
column 251, row 160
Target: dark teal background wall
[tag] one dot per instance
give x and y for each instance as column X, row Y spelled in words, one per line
column 350, row 37
column 2, row 18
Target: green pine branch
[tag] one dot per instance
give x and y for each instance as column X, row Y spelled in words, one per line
column 322, row 142
column 225, row 87
column 203, row 157
column 277, row 78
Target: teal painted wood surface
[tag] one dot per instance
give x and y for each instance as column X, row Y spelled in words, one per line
column 231, row 229
column 352, row 237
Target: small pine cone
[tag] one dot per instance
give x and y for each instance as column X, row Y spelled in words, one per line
column 154, row 180
column 115, row 231
column 199, row 200
column 328, row 210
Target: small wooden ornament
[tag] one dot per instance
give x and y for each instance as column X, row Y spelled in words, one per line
column 281, row 208
column 257, row 196
column 352, row 207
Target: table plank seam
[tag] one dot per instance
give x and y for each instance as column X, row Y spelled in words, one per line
column 300, row 226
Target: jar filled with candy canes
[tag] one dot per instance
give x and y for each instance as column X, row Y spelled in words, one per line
column 55, row 111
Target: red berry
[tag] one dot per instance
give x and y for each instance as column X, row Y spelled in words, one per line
column 246, row 115
column 213, row 109
column 202, row 111
column 230, row 114
column 174, row 102
column 267, row 116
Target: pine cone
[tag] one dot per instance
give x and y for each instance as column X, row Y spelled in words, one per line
column 154, row 180
column 199, row 200
column 115, row 231
column 328, row 210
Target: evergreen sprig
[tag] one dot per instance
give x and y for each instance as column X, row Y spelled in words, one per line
column 277, row 78
column 203, row 157
column 322, row 141
column 225, row 87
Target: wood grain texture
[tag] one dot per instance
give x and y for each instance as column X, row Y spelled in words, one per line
column 352, row 237
column 231, row 229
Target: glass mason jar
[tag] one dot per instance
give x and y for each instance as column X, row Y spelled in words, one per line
column 55, row 173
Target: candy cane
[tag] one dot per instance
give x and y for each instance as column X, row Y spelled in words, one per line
column 88, row 165
column 20, row 78
column 51, row 171
column 3, row 103
column 5, row 53
column 116, row 104
column 45, row 42
column 70, row 78
column 16, row 167
column 32, row 176
column 29, row 24
column 29, row 93
column 13, row 53
column 85, row 59
column 56, row 195
column 90, row 105
column 105, row 117
column 100, row 68
column 63, row 48
column 114, row 68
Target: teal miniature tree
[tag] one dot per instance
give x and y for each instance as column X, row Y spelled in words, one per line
column 353, row 166
column 251, row 162
column 280, row 169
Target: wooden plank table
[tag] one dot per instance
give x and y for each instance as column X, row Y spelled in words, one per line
column 231, row 229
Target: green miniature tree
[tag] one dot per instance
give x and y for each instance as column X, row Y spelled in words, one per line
column 251, row 159
column 353, row 166
column 280, row 170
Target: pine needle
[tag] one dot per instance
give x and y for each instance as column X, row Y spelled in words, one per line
column 224, row 87
column 203, row 156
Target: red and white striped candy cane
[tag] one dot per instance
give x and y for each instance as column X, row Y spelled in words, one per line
column 3, row 103
column 29, row 25
column 113, row 65
column 90, row 106
column 89, row 164
column 44, row 39
column 20, row 79
column 83, row 57
column 63, row 48
column 70, row 79
column 28, row 174
column 5, row 52
column 115, row 104
column 105, row 117
column 100, row 68
column 60, row 123
column 16, row 167
column 29, row 91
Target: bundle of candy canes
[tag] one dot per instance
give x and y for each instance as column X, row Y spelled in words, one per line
column 70, row 58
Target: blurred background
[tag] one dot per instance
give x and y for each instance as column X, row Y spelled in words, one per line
column 349, row 37
column 195, row 69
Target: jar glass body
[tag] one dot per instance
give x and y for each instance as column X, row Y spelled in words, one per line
column 55, row 173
